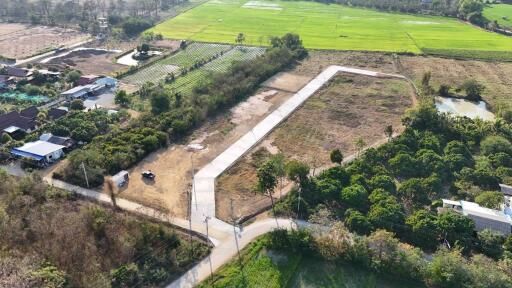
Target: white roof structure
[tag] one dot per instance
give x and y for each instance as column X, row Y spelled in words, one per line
column 77, row 89
column 11, row 129
column 471, row 208
column 39, row 148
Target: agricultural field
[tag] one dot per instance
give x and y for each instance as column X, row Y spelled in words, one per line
column 194, row 53
column 324, row 26
column 185, row 83
column 501, row 13
column 19, row 41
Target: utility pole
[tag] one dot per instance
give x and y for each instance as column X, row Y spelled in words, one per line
column 85, row 174
column 206, row 218
column 235, row 224
column 193, row 178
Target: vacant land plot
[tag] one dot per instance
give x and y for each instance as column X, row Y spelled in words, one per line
column 89, row 61
column 347, row 109
column 497, row 77
column 325, row 26
column 173, row 166
column 501, row 13
column 33, row 40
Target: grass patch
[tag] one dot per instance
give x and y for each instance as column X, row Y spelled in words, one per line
column 503, row 56
column 501, row 13
column 327, row 26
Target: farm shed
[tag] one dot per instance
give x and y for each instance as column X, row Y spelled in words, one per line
column 76, row 93
column 41, row 151
column 87, row 79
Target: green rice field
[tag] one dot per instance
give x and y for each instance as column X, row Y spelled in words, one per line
column 328, row 26
column 501, row 13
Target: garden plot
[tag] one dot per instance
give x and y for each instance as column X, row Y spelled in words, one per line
column 184, row 59
column 184, row 84
column 33, row 40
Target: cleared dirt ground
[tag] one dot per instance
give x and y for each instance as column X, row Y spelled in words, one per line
column 95, row 62
column 497, row 77
column 348, row 108
column 31, row 40
column 173, row 166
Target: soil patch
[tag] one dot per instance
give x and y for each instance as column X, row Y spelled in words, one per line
column 174, row 166
column 33, row 40
column 97, row 62
column 287, row 82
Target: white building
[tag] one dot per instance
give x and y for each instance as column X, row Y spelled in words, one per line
column 484, row 218
column 40, row 151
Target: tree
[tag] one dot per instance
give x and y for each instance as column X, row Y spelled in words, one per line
column 77, row 105
column 354, row 196
column 121, row 98
column 456, row 229
column 467, row 8
column 424, row 229
column 383, row 182
column 240, row 38
column 387, row 214
column 495, row 144
column 490, row 243
column 160, row 101
column 357, row 222
column 473, row 89
column 297, row 171
column 73, row 76
column 389, row 132
column 414, row 193
column 267, row 181
column 490, row 199
column 403, row 165
column 6, row 138
column 127, row 275
column 143, row 48
column 448, row 269
column 336, row 156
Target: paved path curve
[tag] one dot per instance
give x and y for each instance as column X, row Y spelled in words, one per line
column 204, row 180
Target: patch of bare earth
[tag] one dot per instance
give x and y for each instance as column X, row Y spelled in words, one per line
column 497, row 77
column 33, row 40
column 348, row 108
column 173, row 166
column 95, row 62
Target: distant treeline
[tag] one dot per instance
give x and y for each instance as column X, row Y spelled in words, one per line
column 84, row 13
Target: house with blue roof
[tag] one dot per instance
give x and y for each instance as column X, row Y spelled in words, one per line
column 40, row 151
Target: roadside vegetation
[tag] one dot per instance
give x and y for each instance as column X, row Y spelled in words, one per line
column 52, row 238
column 333, row 257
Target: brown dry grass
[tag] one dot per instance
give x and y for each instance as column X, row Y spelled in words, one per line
column 36, row 39
column 497, row 77
column 347, row 108
column 89, row 62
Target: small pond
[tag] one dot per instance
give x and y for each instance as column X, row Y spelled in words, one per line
column 462, row 107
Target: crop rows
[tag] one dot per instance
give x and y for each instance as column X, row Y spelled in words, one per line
column 184, row 59
column 184, row 84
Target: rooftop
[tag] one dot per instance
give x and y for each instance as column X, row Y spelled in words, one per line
column 38, row 148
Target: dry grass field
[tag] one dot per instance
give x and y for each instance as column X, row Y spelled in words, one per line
column 19, row 41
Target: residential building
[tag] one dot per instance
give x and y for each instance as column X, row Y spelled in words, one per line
column 63, row 141
column 484, row 218
column 16, row 122
column 56, row 113
column 40, row 151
